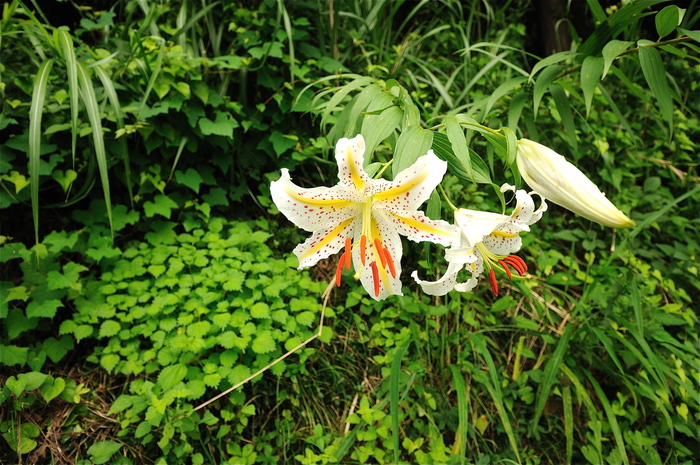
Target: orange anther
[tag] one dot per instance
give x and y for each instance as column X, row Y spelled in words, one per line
column 380, row 252
column 505, row 267
column 375, row 277
column 363, row 248
column 493, row 282
column 339, row 270
column 390, row 262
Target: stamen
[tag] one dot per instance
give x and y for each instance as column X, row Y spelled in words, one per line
column 363, row 248
column 390, row 262
column 493, row 282
column 348, row 243
column 375, row 277
column 380, row 252
column 339, row 270
column 517, row 263
column 505, row 267
column 348, row 252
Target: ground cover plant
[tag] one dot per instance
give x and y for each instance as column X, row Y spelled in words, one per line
column 148, row 261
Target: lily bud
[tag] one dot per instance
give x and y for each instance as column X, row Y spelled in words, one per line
column 557, row 180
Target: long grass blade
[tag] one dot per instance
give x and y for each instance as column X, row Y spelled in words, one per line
column 87, row 93
column 550, row 375
column 394, row 382
column 462, row 412
column 612, row 419
column 65, row 43
column 35, row 111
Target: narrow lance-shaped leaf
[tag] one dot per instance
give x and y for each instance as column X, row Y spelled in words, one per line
column 655, row 75
column 35, row 111
column 87, row 93
column 591, row 74
column 542, row 85
column 413, row 143
column 612, row 50
column 566, row 114
column 455, row 134
column 376, row 128
column 65, row 42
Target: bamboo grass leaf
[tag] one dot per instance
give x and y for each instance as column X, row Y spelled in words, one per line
column 515, row 109
column 35, row 112
column 87, row 93
column 455, row 134
column 667, row 20
column 611, row 51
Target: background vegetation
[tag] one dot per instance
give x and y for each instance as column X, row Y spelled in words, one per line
column 144, row 268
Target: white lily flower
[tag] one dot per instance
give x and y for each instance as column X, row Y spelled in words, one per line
column 487, row 240
column 364, row 216
column 555, row 179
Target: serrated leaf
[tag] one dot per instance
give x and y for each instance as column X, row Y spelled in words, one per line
column 238, row 374
column 190, row 178
column 13, row 355
column 162, row 205
column 223, row 125
column 102, row 451
column 109, row 328
column 45, row 309
column 260, row 310
column 263, row 343
column 612, row 50
column 306, row 318
column 171, row 375
column 16, row 293
column 591, row 74
column 414, row 142
column 156, row 270
column 122, row 403
column 667, row 20
column 234, row 280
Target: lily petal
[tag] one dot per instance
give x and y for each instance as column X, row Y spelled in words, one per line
column 324, row 243
column 418, row 227
column 443, row 285
column 377, row 279
column 315, row 208
column 349, row 154
column 412, row 186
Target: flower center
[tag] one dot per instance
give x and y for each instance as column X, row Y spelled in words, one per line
column 492, row 260
column 372, row 252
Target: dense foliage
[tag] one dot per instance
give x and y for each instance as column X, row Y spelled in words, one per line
column 144, row 268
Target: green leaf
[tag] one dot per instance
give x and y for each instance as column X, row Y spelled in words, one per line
column 458, row 141
column 515, row 109
column 260, row 310
column 191, row 179
column 162, row 205
column 667, row 20
column 19, row 180
column 171, row 375
column 52, row 388
column 122, row 403
column 443, row 149
column 102, row 451
column 566, row 114
column 263, row 343
column 13, row 355
column 591, row 74
column 655, row 75
column 223, row 125
column 34, row 379
column 281, row 143
column 16, row 293
column 57, row 349
column 394, row 384
column 612, row 50
column 413, row 143
column 109, row 328
column 16, row 385
column 376, row 128
column 542, row 85
column 45, row 309
column 34, row 153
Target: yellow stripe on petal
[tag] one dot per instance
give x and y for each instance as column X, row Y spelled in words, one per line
column 412, row 223
column 402, row 188
column 323, row 242
column 354, row 174
column 340, row 203
column 503, row 234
